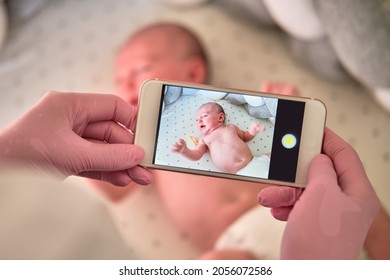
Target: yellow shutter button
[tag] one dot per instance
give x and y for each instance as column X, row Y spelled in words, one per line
column 289, row 141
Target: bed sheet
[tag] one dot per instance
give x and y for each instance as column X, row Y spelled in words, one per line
column 71, row 46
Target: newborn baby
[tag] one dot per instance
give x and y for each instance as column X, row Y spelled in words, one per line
column 226, row 143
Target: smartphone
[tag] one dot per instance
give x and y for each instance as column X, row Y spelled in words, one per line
column 181, row 128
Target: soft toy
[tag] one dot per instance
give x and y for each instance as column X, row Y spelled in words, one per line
column 256, row 106
column 337, row 39
column 359, row 32
column 16, row 12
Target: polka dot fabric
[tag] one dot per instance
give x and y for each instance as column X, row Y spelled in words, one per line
column 71, row 46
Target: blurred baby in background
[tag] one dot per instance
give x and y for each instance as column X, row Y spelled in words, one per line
column 202, row 208
column 166, row 51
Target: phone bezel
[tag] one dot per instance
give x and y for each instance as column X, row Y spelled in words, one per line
column 149, row 107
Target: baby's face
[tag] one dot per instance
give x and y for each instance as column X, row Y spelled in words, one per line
column 208, row 119
column 146, row 57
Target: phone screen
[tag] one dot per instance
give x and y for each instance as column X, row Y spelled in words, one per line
column 229, row 132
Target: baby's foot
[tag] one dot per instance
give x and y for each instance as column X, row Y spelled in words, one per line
column 280, row 88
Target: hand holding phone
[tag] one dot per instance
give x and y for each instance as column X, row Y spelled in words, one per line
column 333, row 214
column 277, row 150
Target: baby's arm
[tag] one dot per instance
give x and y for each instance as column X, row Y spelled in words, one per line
column 253, row 130
column 181, row 147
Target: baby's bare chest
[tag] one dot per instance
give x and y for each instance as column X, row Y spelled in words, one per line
column 224, row 136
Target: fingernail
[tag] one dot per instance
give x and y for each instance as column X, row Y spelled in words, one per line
column 144, row 177
column 137, row 154
column 267, row 197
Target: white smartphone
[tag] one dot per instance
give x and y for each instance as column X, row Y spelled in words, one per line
column 229, row 133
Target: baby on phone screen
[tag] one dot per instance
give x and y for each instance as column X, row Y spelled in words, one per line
column 226, row 143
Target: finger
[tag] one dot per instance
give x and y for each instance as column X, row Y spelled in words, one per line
column 281, row 213
column 350, row 171
column 109, row 157
column 278, row 196
column 107, row 107
column 140, row 175
column 116, row 178
column 323, row 179
column 121, row 178
column 321, row 172
column 109, row 132
column 176, row 149
column 283, row 199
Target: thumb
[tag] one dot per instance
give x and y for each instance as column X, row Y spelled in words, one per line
column 321, row 172
column 321, row 184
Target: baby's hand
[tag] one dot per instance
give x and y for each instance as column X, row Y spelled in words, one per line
column 256, row 128
column 180, row 146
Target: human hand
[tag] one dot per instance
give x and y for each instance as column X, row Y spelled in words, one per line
column 331, row 217
column 256, row 128
column 77, row 134
column 180, row 146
